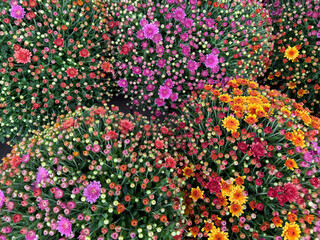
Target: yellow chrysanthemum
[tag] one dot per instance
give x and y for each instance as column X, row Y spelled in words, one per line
column 231, row 124
column 236, row 195
column 187, row 171
column 216, row 233
column 291, row 53
column 226, row 188
column 305, row 116
column 251, row 119
column 291, row 231
column 292, row 85
column 225, row 98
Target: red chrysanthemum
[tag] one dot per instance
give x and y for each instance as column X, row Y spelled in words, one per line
column 291, row 192
column 23, row 56
column 84, row 53
column 58, row 42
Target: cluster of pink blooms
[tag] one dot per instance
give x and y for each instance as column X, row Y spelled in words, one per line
column 166, row 50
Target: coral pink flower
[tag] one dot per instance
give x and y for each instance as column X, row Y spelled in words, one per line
column 22, row 56
column 84, row 53
column 72, row 72
column 58, row 42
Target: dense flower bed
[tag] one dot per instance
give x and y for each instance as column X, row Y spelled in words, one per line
column 295, row 60
column 92, row 175
column 53, row 58
column 251, row 166
column 163, row 50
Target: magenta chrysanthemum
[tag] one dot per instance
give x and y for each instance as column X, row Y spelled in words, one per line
column 192, row 65
column 17, row 12
column 164, row 92
column 22, row 56
column 31, row 235
column 211, row 60
column 150, row 30
column 65, row 227
column 160, row 102
column 42, row 174
column 179, row 14
column 122, row 83
column 2, row 197
column 92, row 192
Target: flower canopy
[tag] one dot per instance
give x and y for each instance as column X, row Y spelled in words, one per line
column 96, row 172
column 295, row 59
column 249, row 165
column 163, row 50
column 53, row 59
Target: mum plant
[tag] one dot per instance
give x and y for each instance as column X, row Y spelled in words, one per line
column 92, row 175
column 53, row 59
column 251, row 164
column 165, row 49
column 295, row 59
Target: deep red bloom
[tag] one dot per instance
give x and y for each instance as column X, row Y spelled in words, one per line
column 16, row 218
column 214, row 185
column 291, row 192
column 272, row 193
column 314, row 182
column 58, row 42
column 258, row 148
column 242, row 146
column 125, row 49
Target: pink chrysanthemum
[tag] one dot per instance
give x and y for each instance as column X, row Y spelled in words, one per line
column 22, row 56
column 17, row 12
column 192, row 65
column 164, row 92
column 179, row 14
column 150, row 30
column 42, row 174
column 31, row 235
column 140, row 34
column 122, row 83
column 211, row 60
column 65, row 227
column 2, row 197
column 72, row 72
column 160, row 102
column 92, row 192
column 157, row 38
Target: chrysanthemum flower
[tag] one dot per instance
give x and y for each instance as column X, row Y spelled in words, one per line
column 291, row 231
column 150, row 30
column 92, row 191
column 211, row 61
column 2, row 197
column 236, row 209
column 291, row 164
column 65, row 227
column 291, row 53
column 17, row 12
column 72, row 72
column 31, row 235
column 231, row 124
column 165, row 92
column 216, row 234
column 196, row 194
column 237, row 196
column 22, row 56
column 42, row 174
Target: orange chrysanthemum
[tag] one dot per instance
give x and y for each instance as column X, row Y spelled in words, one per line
column 291, row 231
column 291, row 164
column 231, row 124
column 277, row 221
column 236, row 209
column 196, row 194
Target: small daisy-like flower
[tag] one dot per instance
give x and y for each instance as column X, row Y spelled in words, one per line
column 150, row 30
column 216, row 233
column 22, row 56
column 291, row 164
column 92, row 191
column 64, row 227
column 236, row 209
column 122, row 83
column 291, row 53
column 17, row 12
column 164, row 92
